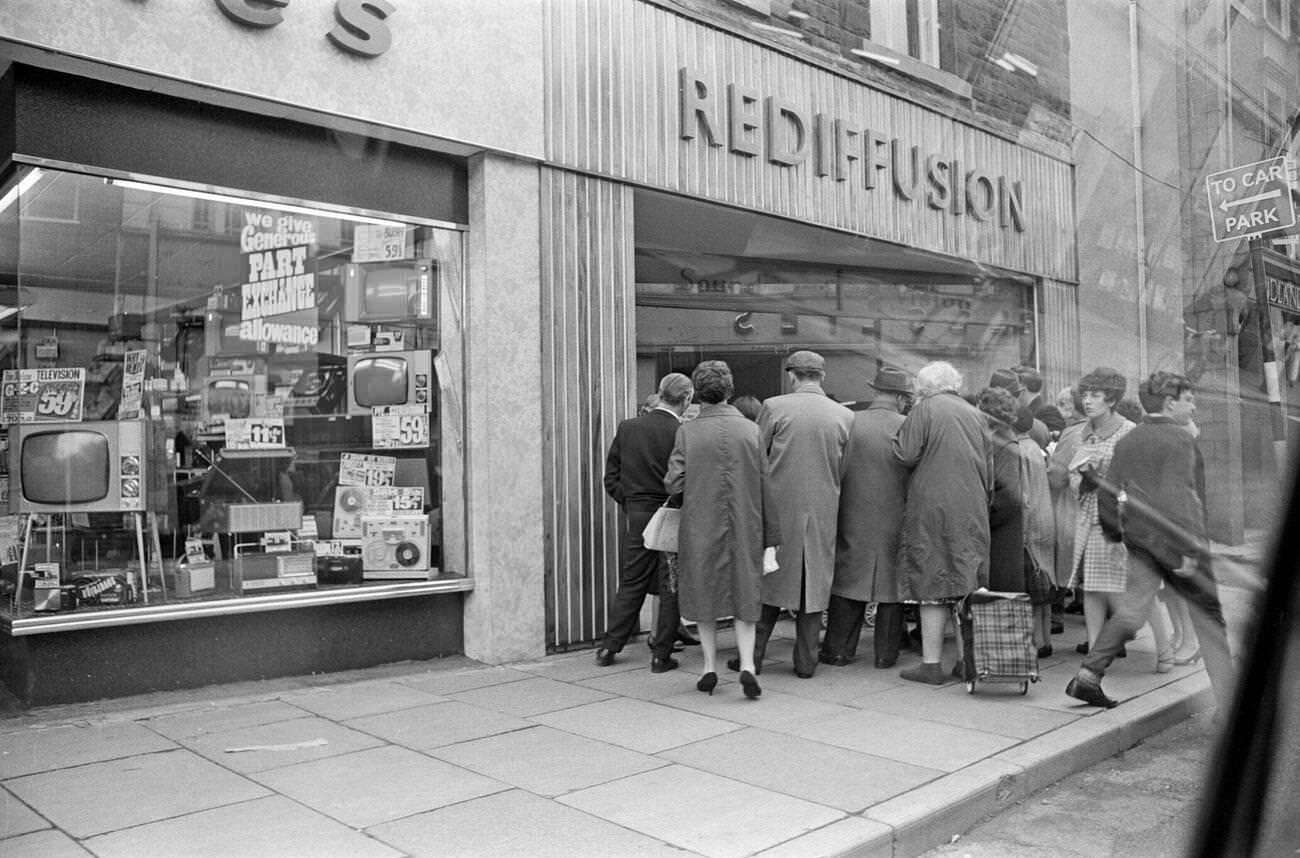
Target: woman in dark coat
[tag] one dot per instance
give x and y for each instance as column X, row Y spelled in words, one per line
column 718, row 467
column 943, row 547
column 1006, row 507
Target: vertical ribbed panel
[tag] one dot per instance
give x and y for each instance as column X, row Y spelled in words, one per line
column 612, row 109
column 587, row 352
column 1059, row 334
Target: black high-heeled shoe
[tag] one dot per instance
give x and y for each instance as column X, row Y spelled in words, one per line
column 707, row 682
column 750, row 684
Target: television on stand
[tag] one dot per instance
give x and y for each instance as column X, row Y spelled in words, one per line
column 92, row 466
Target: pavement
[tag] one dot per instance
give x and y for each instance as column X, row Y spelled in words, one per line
column 562, row 757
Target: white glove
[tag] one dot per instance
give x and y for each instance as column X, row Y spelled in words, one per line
column 769, row 560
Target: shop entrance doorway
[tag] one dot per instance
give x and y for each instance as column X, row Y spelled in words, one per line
column 756, row 373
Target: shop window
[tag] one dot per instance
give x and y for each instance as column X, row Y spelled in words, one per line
column 1277, row 14
column 263, row 392
column 908, row 27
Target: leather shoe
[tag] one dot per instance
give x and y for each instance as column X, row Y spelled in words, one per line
column 1058, row 628
column 931, row 673
column 1090, row 692
column 604, row 657
column 663, row 665
column 733, row 663
column 885, row 663
column 685, row 637
column 833, row 660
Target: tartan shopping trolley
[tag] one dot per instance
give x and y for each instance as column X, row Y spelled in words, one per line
column 997, row 633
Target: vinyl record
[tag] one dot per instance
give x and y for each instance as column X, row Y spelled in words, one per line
column 407, row 554
column 351, row 500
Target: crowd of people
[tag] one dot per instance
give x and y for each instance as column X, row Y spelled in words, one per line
column 905, row 506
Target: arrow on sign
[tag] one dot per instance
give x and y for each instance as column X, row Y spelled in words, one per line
column 1267, row 195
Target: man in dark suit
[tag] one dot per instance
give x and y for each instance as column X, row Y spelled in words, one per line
column 634, row 478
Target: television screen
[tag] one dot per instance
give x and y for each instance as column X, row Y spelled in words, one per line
column 380, row 380
column 69, row 466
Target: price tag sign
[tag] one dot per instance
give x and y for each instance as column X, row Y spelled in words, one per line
column 399, row 426
column 379, row 243
column 363, row 469
column 255, row 433
column 394, row 499
column 54, row 395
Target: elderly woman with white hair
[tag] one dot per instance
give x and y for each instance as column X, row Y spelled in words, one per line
column 943, row 551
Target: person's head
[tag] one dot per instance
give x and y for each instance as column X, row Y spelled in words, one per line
column 937, row 377
column 748, row 406
column 806, row 366
column 1130, row 408
column 713, row 383
column 1100, row 391
column 1051, row 417
column 1008, row 380
column 1171, row 395
column 892, row 386
column 675, row 391
column 650, row 403
column 998, row 404
column 1069, row 403
column 1031, row 378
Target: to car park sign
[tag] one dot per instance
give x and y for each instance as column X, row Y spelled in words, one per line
column 1250, row 199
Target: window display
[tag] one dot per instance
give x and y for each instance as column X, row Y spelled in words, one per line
column 205, row 396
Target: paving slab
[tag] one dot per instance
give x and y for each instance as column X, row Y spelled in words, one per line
column 270, row 827
column 107, row 796
column 702, row 812
column 377, row 785
column 536, row 828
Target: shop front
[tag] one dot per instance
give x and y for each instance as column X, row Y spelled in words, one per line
column 238, row 330
column 748, row 203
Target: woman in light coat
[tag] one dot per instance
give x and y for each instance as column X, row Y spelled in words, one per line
column 718, row 467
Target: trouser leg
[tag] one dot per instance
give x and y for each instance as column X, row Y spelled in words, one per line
column 843, row 627
column 1130, row 612
column 669, row 616
column 767, row 620
column 641, row 569
column 890, row 631
column 807, row 628
column 1202, row 594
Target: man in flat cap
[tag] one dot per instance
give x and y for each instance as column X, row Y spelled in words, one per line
column 803, row 434
column 634, row 478
column 873, row 492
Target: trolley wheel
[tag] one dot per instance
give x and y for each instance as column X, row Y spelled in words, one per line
column 970, row 686
column 1024, row 687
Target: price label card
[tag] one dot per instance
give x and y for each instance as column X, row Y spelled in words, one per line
column 53, row 395
column 379, row 243
column 394, row 426
column 392, row 499
column 363, row 469
column 255, row 433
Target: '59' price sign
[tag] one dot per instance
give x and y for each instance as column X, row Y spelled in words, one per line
column 399, row 426
column 54, row 395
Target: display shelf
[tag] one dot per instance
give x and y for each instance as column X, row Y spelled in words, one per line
column 136, row 615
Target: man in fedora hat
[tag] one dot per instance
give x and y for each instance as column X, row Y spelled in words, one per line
column 803, row 436
column 873, row 492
